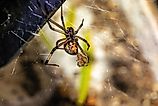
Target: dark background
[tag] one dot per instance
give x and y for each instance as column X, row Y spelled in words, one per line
column 21, row 18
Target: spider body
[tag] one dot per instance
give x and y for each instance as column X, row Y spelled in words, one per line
column 70, row 32
column 71, row 47
column 70, row 42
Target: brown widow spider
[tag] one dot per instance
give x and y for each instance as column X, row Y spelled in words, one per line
column 70, row 42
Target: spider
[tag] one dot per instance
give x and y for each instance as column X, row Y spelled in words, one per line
column 70, row 42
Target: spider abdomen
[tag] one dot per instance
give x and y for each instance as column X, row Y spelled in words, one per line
column 71, row 48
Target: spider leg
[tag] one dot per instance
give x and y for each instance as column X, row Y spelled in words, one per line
column 79, row 26
column 81, row 49
column 45, row 12
column 58, row 41
column 62, row 18
column 54, row 29
column 84, row 41
column 51, row 53
column 55, row 23
column 49, row 57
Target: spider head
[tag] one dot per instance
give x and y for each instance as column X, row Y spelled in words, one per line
column 71, row 48
column 70, row 31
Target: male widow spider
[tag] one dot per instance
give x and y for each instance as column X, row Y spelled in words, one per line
column 70, row 42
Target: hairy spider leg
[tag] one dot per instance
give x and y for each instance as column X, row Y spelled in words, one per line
column 45, row 12
column 84, row 40
column 51, row 53
column 56, row 30
column 82, row 51
column 58, row 41
column 49, row 57
column 55, row 23
column 79, row 26
column 62, row 18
